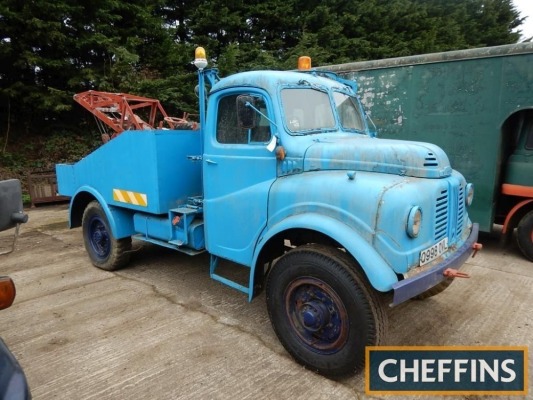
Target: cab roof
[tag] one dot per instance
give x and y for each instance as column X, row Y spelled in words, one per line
column 270, row 80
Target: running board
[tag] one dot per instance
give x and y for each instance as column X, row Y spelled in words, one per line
column 221, row 279
column 169, row 245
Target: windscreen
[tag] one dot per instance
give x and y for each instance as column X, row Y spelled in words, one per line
column 348, row 111
column 307, row 110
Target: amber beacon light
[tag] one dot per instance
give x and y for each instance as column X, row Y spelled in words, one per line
column 304, row 63
column 200, row 60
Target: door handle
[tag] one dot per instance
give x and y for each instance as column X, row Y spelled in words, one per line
column 211, row 162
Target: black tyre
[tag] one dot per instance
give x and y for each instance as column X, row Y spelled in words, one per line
column 103, row 249
column 525, row 235
column 323, row 310
column 441, row 287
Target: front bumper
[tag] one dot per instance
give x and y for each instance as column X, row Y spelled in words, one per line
column 411, row 287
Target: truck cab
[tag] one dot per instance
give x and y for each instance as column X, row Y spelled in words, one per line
column 515, row 205
column 285, row 178
column 309, row 156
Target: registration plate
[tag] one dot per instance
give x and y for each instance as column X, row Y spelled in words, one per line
column 433, row 252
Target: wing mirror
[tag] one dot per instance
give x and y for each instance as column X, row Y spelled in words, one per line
column 11, row 211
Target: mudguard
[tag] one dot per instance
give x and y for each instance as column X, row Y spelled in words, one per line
column 378, row 272
column 120, row 219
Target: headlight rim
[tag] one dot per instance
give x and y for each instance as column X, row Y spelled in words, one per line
column 469, row 194
column 414, row 222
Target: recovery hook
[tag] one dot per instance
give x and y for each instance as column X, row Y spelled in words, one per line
column 476, row 247
column 453, row 273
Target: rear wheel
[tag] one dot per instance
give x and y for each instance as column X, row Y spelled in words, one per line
column 103, row 249
column 525, row 235
column 323, row 311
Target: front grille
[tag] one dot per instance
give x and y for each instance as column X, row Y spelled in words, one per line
column 441, row 215
column 460, row 211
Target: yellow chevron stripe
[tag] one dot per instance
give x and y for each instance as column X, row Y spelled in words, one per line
column 117, row 196
column 125, row 196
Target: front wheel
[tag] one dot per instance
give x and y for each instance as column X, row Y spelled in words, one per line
column 525, row 235
column 103, row 249
column 323, row 311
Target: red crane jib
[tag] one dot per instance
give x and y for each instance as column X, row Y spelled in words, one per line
column 121, row 112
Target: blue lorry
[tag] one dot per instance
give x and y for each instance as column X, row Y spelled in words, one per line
column 285, row 177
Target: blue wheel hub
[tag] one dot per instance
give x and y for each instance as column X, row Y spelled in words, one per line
column 317, row 315
column 99, row 238
column 314, row 315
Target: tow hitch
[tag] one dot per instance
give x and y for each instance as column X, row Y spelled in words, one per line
column 453, row 273
column 476, row 247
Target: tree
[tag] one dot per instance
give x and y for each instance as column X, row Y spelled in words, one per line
column 475, row 23
column 348, row 30
column 32, row 47
column 51, row 49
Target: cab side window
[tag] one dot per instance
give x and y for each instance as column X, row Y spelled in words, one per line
column 228, row 130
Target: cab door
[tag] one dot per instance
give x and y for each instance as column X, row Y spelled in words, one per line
column 238, row 172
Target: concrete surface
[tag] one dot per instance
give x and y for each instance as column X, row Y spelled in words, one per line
column 162, row 329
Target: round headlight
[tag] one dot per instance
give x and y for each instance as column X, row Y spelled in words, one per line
column 469, row 198
column 414, row 221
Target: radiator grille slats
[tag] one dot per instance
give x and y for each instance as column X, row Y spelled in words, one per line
column 441, row 215
column 450, row 211
column 460, row 210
